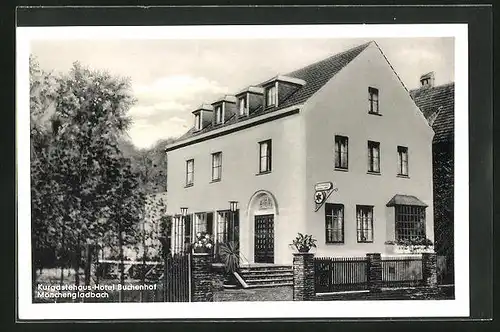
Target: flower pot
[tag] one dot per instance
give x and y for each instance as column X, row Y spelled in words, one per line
column 201, row 250
column 303, row 250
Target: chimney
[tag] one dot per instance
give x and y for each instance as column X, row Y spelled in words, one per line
column 427, row 80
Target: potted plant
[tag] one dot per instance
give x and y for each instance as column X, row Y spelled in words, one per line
column 203, row 243
column 230, row 257
column 417, row 244
column 303, row 242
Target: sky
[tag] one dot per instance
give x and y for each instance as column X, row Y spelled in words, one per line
column 171, row 77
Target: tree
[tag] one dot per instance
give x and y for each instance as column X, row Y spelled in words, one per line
column 77, row 166
column 150, row 164
column 44, row 190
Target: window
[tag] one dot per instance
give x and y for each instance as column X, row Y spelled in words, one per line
column 364, row 223
column 402, row 160
column 227, row 226
column 410, row 222
column 181, row 233
column 204, row 222
column 190, row 172
column 265, row 156
column 243, row 105
column 188, row 231
column 341, row 143
column 197, row 121
column 222, row 226
column 373, row 157
column 271, row 96
column 218, row 114
column 216, row 166
column 373, row 100
column 334, row 223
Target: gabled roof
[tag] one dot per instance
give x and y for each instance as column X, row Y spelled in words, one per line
column 315, row 75
column 438, row 106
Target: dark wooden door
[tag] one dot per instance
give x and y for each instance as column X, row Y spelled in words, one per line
column 264, row 239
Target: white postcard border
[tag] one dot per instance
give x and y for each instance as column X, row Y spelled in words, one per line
column 459, row 307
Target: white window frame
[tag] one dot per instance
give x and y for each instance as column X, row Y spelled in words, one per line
column 243, row 101
column 189, row 172
column 216, row 168
column 403, row 160
column 272, row 98
column 219, row 110
column 197, row 120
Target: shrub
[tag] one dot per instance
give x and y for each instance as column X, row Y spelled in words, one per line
column 230, row 256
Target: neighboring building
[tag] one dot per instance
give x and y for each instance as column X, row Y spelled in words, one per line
column 438, row 104
column 348, row 120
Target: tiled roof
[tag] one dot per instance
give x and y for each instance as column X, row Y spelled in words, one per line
column 438, row 106
column 316, row 76
column 405, row 200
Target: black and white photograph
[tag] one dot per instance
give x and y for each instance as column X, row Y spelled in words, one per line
column 169, row 167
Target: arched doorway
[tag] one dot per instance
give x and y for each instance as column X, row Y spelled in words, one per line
column 262, row 212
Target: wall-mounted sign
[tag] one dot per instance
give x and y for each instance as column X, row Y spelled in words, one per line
column 265, row 203
column 322, row 190
column 322, row 186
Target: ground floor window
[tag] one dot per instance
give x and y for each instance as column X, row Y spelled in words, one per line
column 181, row 234
column 227, row 226
column 222, row 226
column 334, row 223
column 364, row 223
column 204, row 223
column 410, row 222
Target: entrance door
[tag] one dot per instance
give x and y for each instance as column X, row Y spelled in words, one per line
column 264, row 239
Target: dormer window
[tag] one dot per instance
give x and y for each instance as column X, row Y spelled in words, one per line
column 218, row 115
column 271, row 96
column 242, row 102
column 197, row 121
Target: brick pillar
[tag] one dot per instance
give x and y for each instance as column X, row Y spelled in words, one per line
column 374, row 276
column 429, row 269
column 303, row 277
column 201, row 278
column 218, row 277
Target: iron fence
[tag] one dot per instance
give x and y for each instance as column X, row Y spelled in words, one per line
column 334, row 274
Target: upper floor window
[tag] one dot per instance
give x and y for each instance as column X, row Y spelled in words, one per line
column 265, row 156
column 218, row 114
column 271, row 96
column 364, row 223
column 216, row 166
column 341, row 147
column 197, row 121
column 243, row 105
column 373, row 157
column 373, row 100
column 189, row 172
column 402, row 160
column 410, row 222
column 334, row 223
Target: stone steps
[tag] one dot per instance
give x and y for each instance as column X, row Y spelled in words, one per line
column 267, row 275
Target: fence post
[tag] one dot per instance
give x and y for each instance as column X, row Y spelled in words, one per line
column 429, row 269
column 201, row 278
column 303, row 277
column 374, row 272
